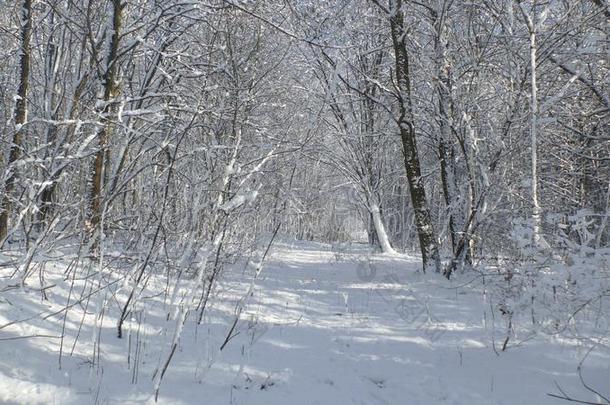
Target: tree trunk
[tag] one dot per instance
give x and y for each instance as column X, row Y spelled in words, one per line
column 532, row 22
column 445, row 145
column 534, row 138
column 382, row 235
column 423, row 220
column 21, row 113
column 372, row 233
column 51, row 91
column 111, row 89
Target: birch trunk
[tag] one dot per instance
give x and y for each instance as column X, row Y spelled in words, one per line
column 532, row 22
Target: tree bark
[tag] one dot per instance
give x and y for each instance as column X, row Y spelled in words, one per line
column 532, row 23
column 445, row 145
column 21, row 113
column 111, row 89
column 423, row 220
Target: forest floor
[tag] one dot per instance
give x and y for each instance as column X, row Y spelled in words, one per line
column 322, row 325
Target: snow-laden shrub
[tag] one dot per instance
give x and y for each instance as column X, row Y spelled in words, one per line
column 559, row 291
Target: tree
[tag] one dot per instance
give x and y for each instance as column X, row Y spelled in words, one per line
column 21, row 115
column 359, row 145
column 532, row 27
column 406, row 127
column 111, row 88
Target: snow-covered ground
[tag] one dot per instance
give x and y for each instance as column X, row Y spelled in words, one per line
column 322, row 326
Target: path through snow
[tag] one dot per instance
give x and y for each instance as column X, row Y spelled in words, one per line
column 323, row 326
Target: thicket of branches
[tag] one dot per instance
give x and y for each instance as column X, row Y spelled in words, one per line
column 174, row 137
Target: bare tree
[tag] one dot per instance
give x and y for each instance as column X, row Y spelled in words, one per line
column 21, row 116
column 406, row 125
column 111, row 88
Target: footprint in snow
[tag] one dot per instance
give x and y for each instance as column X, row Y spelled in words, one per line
column 380, row 383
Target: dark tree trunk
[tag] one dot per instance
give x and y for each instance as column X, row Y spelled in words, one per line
column 21, row 113
column 423, row 220
column 111, row 89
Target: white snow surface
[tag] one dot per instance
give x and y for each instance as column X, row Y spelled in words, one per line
column 321, row 327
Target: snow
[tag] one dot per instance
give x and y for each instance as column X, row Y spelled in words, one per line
column 239, row 199
column 318, row 328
